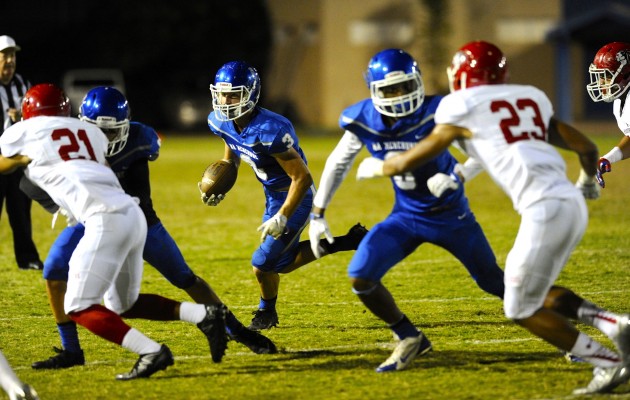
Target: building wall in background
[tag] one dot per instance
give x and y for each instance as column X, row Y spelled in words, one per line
column 324, row 74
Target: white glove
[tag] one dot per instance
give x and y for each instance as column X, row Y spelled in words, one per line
column 274, row 226
column 212, row 200
column 589, row 187
column 316, row 229
column 70, row 220
column 440, row 183
column 370, row 167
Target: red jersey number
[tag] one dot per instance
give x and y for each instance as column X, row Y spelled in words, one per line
column 510, row 125
column 72, row 149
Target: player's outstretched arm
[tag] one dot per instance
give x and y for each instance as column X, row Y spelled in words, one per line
column 301, row 180
column 567, row 137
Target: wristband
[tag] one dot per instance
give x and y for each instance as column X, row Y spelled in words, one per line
column 614, row 155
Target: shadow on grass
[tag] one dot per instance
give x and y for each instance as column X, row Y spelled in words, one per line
column 353, row 359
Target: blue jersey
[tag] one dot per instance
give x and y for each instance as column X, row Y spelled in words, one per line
column 143, row 143
column 266, row 134
column 382, row 141
column 418, row 217
column 131, row 166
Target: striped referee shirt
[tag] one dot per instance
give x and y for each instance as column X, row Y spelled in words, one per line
column 11, row 97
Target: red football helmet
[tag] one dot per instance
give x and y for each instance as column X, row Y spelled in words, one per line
column 610, row 72
column 45, row 99
column 477, row 63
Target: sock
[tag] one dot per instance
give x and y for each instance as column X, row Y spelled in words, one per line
column 341, row 243
column 233, row 325
column 593, row 352
column 191, row 312
column 101, row 322
column 135, row 341
column 269, row 304
column 605, row 321
column 69, row 336
column 404, row 328
column 153, row 307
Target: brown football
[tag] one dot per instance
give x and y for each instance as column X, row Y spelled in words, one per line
column 218, row 178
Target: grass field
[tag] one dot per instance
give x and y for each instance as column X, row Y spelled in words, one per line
column 329, row 343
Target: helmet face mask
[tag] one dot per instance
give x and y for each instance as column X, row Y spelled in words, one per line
column 108, row 109
column 610, row 72
column 45, row 99
column 235, row 90
column 395, row 83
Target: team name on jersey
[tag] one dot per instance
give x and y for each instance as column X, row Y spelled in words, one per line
column 387, row 146
column 243, row 150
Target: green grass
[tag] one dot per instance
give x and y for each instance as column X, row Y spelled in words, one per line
column 329, row 343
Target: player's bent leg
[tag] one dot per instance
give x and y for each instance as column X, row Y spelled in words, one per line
column 70, row 354
column 411, row 342
column 266, row 316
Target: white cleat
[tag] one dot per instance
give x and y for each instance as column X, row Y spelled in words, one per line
column 622, row 338
column 605, row 380
column 405, row 352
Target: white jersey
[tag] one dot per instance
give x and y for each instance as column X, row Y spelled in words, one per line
column 68, row 163
column 509, row 125
column 622, row 115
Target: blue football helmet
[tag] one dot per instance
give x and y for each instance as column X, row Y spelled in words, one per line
column 108, row 109
column 235, row 90
column 395, row 83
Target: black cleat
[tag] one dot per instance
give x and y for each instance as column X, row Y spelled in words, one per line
column 264, row 319
column 256, row 342
column 355, row 235
column 63, row 359
column 213, row 326
column 148, row 364
column 33, row 265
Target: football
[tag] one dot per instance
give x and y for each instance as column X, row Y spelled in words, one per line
column 218, row 178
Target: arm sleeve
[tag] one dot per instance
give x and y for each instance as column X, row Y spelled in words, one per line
column 337, row 167
column 137, row 183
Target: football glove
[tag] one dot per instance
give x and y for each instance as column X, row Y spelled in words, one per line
column 587, row 185
column 274, row 226
column 212, row 200
column 440, row 183
column 603, row 166
column 370, row 167
column 318, row 227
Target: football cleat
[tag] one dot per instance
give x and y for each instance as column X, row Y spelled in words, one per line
column 25, row 392
column 356, row 234
column 405, row 352
column 256, row 342
column 622, row 338
column 148, row 364
column 263, row 319
column 63, row 359
column 213, row 326
column 605, row 380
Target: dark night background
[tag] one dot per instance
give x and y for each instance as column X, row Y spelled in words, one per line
column 166, row 50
